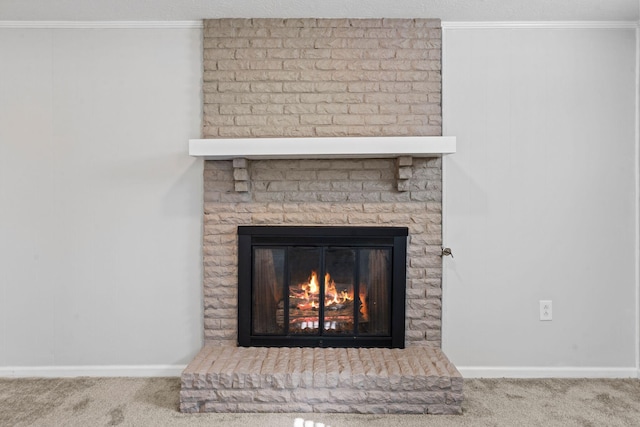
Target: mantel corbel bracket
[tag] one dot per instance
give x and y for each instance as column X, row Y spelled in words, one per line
column 240, row 175
column 404, row 172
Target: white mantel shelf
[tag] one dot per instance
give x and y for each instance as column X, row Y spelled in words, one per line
column 322, row 148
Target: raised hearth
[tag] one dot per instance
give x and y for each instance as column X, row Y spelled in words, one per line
column 417, row 380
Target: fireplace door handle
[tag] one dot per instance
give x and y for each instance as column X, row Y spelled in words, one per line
column 447, row 252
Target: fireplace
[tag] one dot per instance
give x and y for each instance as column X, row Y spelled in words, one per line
column 289, row 186
column 321, row 286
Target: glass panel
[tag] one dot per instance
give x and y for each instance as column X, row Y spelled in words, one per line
column 374, row 292
column 268, row 299
column 304, row 290
column 305, row 278
column 338, row 286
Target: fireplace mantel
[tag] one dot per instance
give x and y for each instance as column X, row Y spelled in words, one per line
column 322, row 148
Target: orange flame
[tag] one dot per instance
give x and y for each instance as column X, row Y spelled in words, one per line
column 363, row 303
column 311, row 287
column 332, row 296
column 313, row 283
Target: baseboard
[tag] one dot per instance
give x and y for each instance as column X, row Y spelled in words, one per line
column 101, row 24
column 92, row 371
column 546, row 372
column 545, row 25
column 176, row 370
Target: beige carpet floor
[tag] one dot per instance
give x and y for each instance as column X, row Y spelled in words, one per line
column 154, row 402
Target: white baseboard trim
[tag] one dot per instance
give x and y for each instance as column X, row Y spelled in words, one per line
column 92, row 371
column 101, row 24
column 547, row 372
column 176, row 370
column 492, row 25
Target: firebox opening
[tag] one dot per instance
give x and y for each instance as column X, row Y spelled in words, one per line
column 321, row 286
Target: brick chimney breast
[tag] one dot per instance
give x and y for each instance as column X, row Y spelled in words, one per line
column 322, row 78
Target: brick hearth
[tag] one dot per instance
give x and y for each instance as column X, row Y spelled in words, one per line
column 416, row 380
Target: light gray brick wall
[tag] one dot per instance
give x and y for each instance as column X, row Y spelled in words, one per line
column 324, row 192
column 322, row 77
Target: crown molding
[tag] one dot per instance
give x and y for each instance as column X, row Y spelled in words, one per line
column 539, row 24
column 199, row 24
column 101, row 24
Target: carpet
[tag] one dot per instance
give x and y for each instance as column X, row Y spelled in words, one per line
column 154, row 402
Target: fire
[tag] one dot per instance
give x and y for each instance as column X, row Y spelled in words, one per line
column 311, row 287
column 363, row 303
column 332, row 296
column 338, row 302
column 314, row 287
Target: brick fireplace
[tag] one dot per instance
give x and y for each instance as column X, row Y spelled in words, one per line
column 266, row 78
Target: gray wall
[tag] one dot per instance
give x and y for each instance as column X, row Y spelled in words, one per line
column 100, row 205
column 540, row 200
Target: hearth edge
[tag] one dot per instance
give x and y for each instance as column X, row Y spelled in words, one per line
column 417, row 380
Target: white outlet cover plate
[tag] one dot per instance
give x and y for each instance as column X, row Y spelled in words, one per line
column 546, row 310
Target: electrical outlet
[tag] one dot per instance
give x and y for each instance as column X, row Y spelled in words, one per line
column 546, row 310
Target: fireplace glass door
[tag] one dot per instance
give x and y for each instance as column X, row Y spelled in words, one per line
column 320, row 290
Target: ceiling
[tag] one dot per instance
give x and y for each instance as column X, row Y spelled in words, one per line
column 447, row 10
